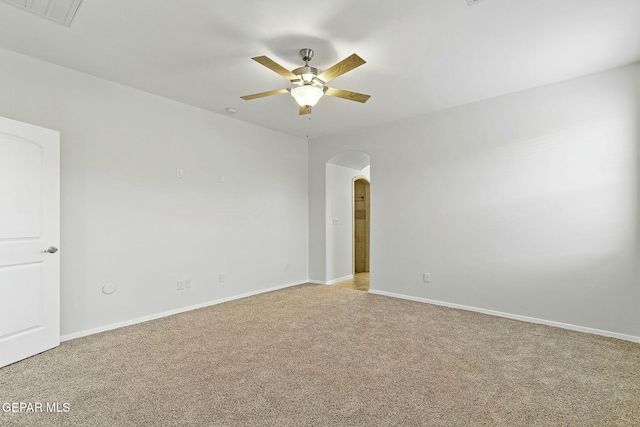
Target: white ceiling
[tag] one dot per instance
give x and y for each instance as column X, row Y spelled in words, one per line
column 422, row 55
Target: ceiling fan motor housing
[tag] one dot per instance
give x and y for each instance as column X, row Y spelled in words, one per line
column 307, row 74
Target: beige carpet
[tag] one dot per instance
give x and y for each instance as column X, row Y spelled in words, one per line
column 326, row 356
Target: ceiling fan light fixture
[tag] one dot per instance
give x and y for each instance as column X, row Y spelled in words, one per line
column 307, row 95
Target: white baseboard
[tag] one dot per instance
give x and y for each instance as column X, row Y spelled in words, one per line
column 511, row 316
column 339, row 279
column 331, row 282
column 172, row 312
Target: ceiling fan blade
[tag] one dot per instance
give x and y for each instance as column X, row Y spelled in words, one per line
column 341, row 67
column 263, row 94
column 272, row 65
column 305, row 109
column 347, row 94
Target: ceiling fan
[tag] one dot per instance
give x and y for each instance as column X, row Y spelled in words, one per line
column 308, row 83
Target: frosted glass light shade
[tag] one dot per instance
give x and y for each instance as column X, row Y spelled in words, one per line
column 307, row 95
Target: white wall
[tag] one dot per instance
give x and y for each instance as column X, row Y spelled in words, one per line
column 339, row 206
column 127, row 219
column 524, row 204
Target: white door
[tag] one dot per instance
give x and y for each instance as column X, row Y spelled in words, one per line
column 29, row 225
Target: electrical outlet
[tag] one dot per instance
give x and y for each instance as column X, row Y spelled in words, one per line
column 222, row 277
column 426, row 277
column 187, row 283
column 287, row 267
column 180, row 285
column 179, row 173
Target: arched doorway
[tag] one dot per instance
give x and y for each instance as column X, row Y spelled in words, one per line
column 347, row 177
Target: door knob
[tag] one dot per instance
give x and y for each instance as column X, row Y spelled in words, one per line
column 52, row 250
